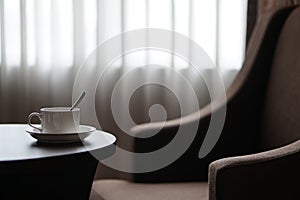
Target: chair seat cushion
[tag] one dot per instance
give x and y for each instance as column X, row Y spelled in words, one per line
column 120, row 189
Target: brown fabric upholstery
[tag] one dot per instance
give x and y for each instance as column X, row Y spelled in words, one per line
column 251, row 17
column 268, row 175
column 282, row 106
column 262, row 108
column 119, row 189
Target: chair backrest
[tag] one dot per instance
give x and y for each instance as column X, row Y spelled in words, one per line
column 281, row 113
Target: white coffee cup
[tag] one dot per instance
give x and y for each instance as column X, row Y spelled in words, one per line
column 57, row 120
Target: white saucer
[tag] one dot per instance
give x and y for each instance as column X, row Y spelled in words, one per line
column 83, row 132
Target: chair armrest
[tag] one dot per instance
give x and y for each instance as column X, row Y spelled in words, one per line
column 184, row 168
column 189, row 167
column 140, row 129
column 273, row 174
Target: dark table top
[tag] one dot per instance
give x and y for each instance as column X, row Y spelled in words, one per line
column 16, row 144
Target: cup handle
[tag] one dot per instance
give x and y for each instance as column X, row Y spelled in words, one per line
column 35, row 114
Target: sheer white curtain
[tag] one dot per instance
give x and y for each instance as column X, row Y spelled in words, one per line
column 43, row 43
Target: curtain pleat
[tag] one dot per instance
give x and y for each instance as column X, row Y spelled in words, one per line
column 3, row 84
column 78, row 32
column 23, row 34
column 2, row 24
column 23, row 81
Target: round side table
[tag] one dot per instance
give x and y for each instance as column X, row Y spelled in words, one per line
column 33, row 170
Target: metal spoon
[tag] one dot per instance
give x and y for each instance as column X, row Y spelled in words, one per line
column 78, row 100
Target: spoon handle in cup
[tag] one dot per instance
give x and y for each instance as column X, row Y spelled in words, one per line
column 78, row 100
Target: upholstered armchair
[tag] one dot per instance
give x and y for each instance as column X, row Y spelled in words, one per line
column 258, row 153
